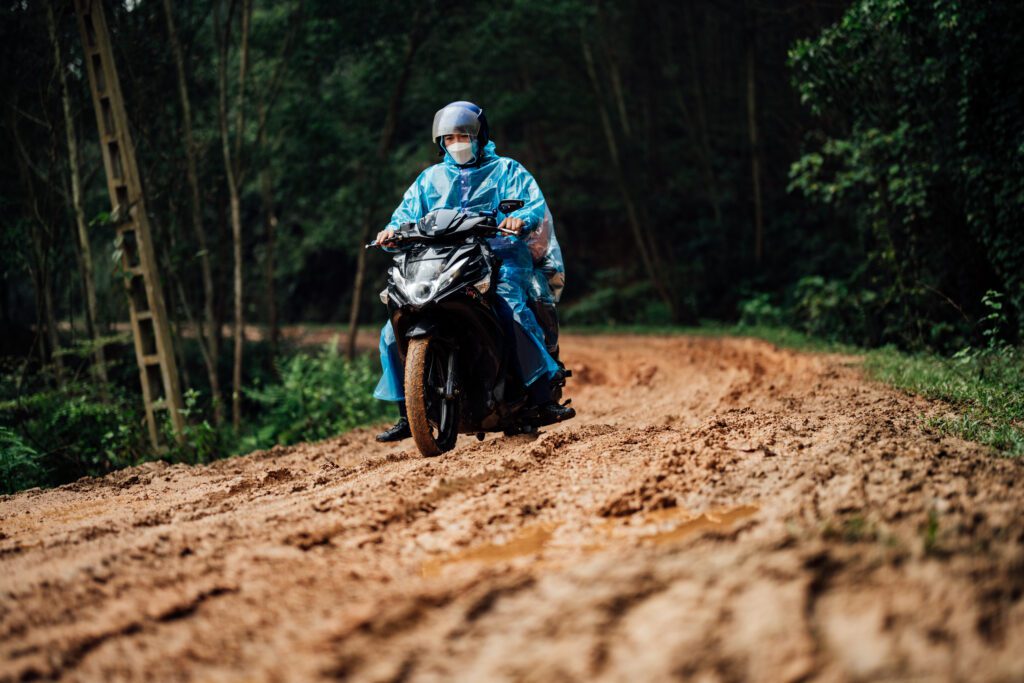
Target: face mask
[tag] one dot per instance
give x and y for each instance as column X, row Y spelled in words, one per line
column 462, row 152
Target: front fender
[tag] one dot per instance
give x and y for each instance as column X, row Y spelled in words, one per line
column 421, row 329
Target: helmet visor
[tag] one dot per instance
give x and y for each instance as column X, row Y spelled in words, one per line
column 455, row 120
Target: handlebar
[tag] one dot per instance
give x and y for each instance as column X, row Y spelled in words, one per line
column 397, row 240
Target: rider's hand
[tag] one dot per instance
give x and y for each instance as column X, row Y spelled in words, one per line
column 385, row 236
column 513, row 224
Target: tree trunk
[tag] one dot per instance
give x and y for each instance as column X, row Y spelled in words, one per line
column 44, row 298
column 41, row 243
column 51, row 328
column 209, row 338
column 357, row 285
column 174, row 283
column 270, row 231
column 643, row 243
column 233, row 171
column 702, row 116
column 265, row 102
column 84, row 248
column 387, row 137
column 755, row 152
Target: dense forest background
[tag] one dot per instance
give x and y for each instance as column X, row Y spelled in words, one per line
column 854, row 170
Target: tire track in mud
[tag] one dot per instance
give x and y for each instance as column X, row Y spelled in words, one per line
column 720, row 509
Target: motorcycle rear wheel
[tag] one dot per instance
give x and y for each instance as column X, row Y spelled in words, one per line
column 429, row 375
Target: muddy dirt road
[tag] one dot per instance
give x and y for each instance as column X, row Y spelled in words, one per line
column 720, row 510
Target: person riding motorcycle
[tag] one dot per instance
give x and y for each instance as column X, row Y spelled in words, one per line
column 472, row 177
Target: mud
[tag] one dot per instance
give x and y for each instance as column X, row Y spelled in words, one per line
column 720, row 510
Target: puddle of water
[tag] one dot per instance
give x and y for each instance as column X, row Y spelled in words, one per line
column 658, row 527
column 528, row 542
column 714, row 519
column 669, row 524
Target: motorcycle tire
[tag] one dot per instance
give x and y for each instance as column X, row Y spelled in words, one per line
column 433, row 418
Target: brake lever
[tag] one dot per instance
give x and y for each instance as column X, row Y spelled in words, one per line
column 391, row 242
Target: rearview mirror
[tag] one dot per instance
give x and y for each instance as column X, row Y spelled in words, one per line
column 507, row 206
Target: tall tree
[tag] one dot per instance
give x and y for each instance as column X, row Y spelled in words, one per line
column 752, row 132
column 265, row 101
column 387, row 137
column 209, row 335
column 77, row 209
column 42, row 241
column 233, row 170
column 645, row 244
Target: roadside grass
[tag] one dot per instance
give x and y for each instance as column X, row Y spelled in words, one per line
column 984, row 387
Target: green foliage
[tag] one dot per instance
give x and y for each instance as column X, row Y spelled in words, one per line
column 50, row 437
column 923, row 126
column 200, row 441
column 21, row 465
column 823, row 308
column 829, row 309
column 759, row 310
column 318, row 396
column 993, row 324
column 616, row 300
column 56, row 436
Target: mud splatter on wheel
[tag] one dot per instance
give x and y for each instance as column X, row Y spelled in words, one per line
column 431, row 396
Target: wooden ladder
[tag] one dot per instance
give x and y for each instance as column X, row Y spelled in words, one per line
column 158, row 370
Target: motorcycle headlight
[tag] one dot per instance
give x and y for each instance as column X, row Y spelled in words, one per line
column 422, row 292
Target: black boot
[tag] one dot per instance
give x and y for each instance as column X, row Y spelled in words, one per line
column 400, row 430
column 396, row 433
column 551, row 413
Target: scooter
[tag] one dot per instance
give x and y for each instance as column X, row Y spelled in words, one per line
column 460, row 371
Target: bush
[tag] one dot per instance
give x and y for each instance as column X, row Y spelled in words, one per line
column 318, row 396
column 617, row 300
column 759, row 311
column 52, row 437
column 21, row 465
column 832, row 310
column 200, row 441
column 828, row 309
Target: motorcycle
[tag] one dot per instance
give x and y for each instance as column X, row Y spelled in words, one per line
column 461, row 375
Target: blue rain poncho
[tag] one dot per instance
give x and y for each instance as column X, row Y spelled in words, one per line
column 481, row 187
column 548, row 277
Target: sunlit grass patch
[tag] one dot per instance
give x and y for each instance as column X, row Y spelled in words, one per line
column 985, row 388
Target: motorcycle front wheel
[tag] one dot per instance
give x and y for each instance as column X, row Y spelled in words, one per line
column 431, row 395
